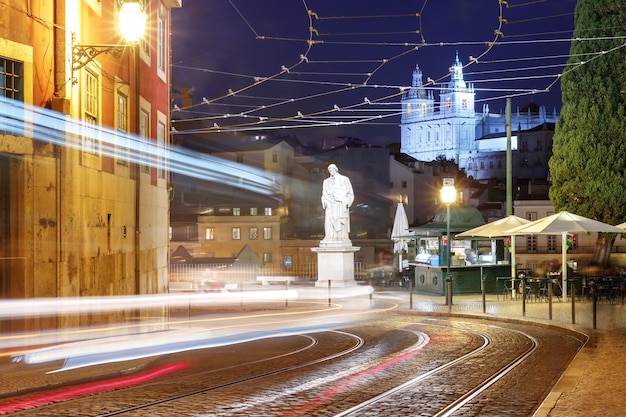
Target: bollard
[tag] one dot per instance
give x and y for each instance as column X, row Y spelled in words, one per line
column 287, row 294
column 523, row 284
column 329, row 293
column 594, row 300
column 549, row 298
column 573, row 287
column 482, row 290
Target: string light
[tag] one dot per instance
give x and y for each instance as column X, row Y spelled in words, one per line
column 320, row 85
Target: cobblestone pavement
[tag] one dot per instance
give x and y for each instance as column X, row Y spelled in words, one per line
column 593, row 385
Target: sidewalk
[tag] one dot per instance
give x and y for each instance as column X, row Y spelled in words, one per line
column 595, row 382
column 593, row 385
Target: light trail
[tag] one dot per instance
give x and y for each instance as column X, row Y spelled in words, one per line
column 23, row 120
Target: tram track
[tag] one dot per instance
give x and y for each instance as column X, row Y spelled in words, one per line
column 364, row 370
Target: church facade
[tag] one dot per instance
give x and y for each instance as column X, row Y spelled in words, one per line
column 451, row 129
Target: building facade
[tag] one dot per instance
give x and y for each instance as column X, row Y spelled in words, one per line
column 451, row 129
column 83, row 135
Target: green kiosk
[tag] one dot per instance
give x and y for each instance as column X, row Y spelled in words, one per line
column 468, row 261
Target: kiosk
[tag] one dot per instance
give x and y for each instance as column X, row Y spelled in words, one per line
column 469, row 262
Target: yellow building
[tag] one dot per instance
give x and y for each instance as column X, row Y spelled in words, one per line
column 80, row 215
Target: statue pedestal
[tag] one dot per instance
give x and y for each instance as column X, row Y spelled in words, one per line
column 335, row 263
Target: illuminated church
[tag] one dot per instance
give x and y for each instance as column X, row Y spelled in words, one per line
column 453, row 130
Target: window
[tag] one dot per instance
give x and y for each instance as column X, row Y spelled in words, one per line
column 268, row 211
column 253, row 211
column 236, row 233
column 144, row 132
column 551, row 243
column 161, row 41
column 267, row 257
column 464, row 103
column 209, row 233
column 267, row 233
column 423, row 108
column 403, row 184
column 275, row 157
column 91, row 112
column 121, row 123
column 11, row 86
column 239, row 157
column 122, row 112
column 161, row 139
column 531, row 244
column 531, row 215
column 145, row 39
column 11, row 79
column 254, row 233
column 236, row 211
column 448, row 103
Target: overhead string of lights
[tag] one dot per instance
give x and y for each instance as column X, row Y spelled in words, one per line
column 259, row 112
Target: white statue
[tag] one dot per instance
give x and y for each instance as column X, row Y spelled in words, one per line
column 337, row 197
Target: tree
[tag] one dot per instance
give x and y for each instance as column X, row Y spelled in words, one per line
column 588, row 165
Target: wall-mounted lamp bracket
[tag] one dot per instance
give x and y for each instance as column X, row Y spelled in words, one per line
column 84, row 54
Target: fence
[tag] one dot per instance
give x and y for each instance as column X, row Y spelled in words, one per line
column 239, row 272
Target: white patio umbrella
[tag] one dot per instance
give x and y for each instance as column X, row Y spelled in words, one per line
column 399, row 232
column 498, row 228
column 564, row 223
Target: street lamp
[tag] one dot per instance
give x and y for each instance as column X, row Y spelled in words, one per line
column 448, row 196
column 131, row 24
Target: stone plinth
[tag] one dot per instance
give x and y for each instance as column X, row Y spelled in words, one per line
column 335, row 263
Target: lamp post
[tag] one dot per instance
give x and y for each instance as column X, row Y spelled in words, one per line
column 448, row 196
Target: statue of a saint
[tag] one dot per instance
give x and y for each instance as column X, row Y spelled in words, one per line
column 337, row 197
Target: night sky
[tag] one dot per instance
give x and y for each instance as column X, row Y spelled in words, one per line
column 323, row 68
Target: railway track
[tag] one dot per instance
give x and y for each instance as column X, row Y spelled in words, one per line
column 440, row 367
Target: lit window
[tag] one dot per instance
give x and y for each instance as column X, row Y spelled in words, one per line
column 122, row 126
column 267, row 233
column 448, row 103
column 268, row 211
column 236, row 233
column 253, row 211
column 423, row 108
column 267, row 257
column 209, row 233
column 236, row 211
column 254, row 233
column 91, row 112
column 144, row 131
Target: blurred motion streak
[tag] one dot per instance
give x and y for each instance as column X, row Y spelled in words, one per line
column 131, row 347
column 91, row 388
column 19, row 119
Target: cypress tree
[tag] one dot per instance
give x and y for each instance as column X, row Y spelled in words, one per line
column 588, row 165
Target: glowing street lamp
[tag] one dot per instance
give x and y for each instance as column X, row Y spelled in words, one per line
column 131, row 24
column 448, row 196
column 132, row 21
